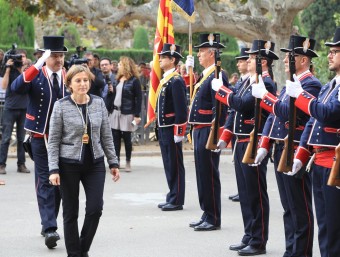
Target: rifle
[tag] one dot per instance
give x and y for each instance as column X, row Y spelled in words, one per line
column 334, row 176
column 286, row 160
column 214, row 130
column 250, row 154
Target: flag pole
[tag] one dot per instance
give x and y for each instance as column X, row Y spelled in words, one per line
column 190, row 68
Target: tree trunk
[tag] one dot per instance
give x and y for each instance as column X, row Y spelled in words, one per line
column 256, row 19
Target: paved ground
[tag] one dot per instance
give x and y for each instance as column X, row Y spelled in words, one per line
column 132, row 225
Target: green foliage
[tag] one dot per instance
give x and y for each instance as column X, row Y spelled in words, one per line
column 140, row 39
column 321, row 65
column 318, row 19
column 297, row 22
column 71, row 34
column 135, row 2
column 337, row 19
column 15, row 26
column 228, row 62
column 229, row 42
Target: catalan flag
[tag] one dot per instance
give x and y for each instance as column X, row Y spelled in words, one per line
column 185, row 8
column 164, row 34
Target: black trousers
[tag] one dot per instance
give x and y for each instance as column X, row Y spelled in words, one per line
column 327, row 210
column 93, row 178
column 208, row 177
column 296, row 199
column 117, row 139
column 252, row 189
column 172, row 156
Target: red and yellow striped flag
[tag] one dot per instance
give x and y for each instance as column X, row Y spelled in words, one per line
column 164, row 34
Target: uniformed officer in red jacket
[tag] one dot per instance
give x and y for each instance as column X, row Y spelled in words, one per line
column 45, row 85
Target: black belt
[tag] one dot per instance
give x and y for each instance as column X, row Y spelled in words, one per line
column 116, row 108
column 242, row 137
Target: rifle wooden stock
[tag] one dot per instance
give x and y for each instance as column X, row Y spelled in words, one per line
column 248, row 158
column 250, row 154
column 283, row 167
column 212, row 142
column 287, row 157
column 214, row 131
column 334, row 176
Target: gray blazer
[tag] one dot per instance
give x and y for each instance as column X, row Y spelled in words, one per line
column 66, row 132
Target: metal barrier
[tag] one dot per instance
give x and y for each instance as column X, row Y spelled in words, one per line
column 142, row 135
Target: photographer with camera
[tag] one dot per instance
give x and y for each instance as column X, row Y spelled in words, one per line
column 97, row 84
column 14, row 111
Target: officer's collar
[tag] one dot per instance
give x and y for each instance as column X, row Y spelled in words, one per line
column 49, row 72
column 303, row 74
column 207, row 69
column 245, row 76
column 168, row 72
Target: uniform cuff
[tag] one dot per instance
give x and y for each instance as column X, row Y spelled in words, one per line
column 179, row 130
column 268, row 102
column 264, row 143
column 302, row 154
column 226, row 135
column 303, row 102
column 222, row 95
column 30, row 74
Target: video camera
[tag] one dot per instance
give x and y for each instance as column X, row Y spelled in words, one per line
column 75, row 58
column 11, row 54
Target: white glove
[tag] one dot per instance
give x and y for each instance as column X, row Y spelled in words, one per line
column 221, row 144
column 261, row 154
column 216, row 84
column 190, row 62
column 42, row 59
column 293, row 89
column 259, row 90
column 178, row 139
column 297, row 165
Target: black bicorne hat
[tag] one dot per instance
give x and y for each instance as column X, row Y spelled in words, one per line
column 209, row 40
column 171, row 50
column 55, row 44
column 336, row 38
column 302, row 45
column 266, row 48
column 243, row 55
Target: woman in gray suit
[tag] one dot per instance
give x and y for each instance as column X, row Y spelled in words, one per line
column 79, row 137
